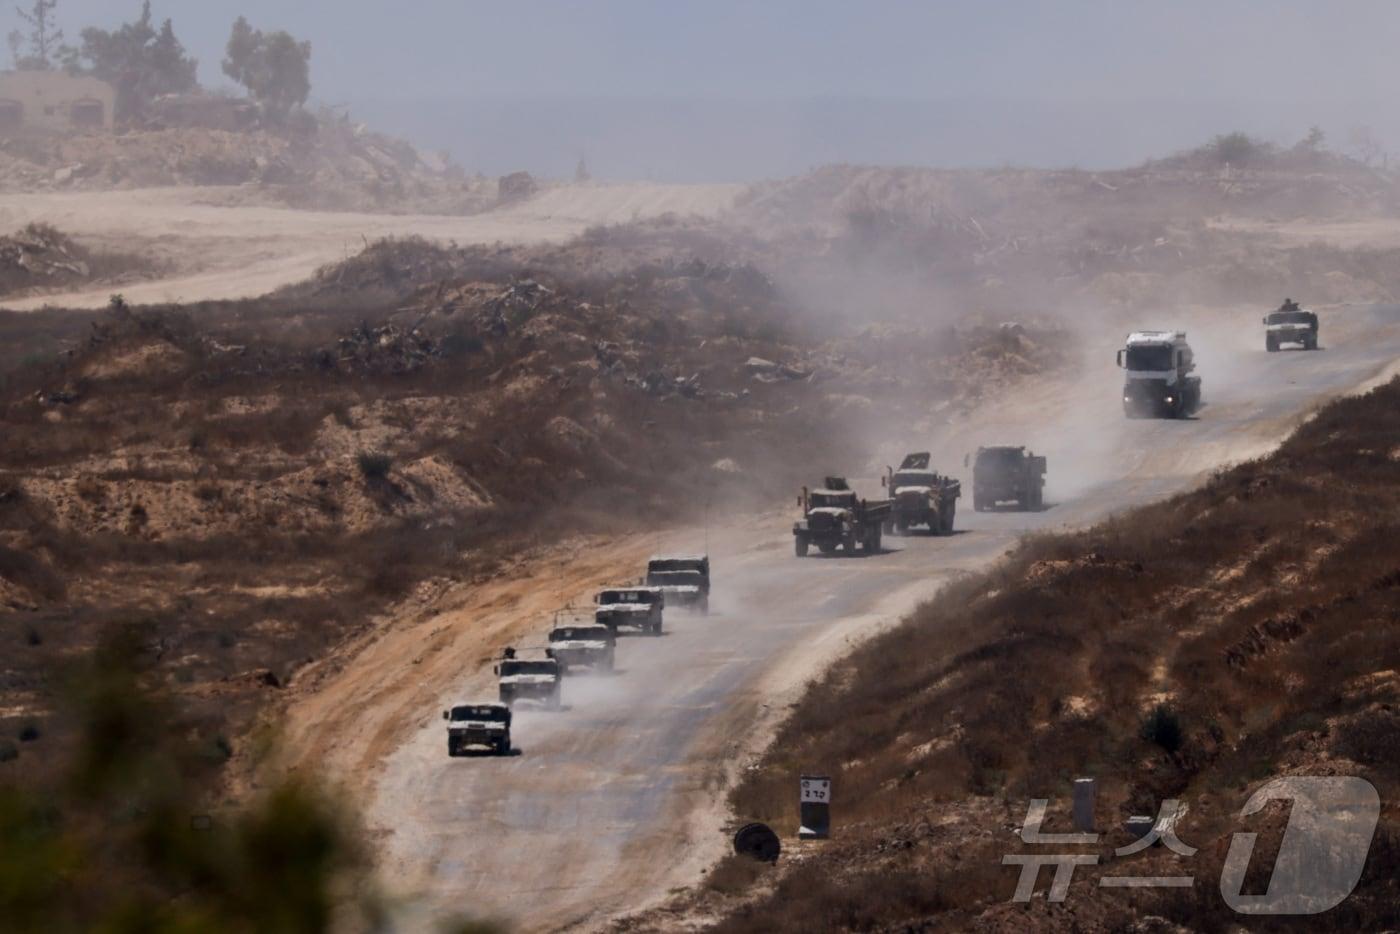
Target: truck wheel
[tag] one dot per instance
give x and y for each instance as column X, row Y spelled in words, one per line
column 977, row 504
column 451, row 749
column 1310, row 342
column 801, row 547
column 849, row 544
column 888, row 527
column 1270, row 345
column 705, row 606
column 876, row 549
column 502, row 747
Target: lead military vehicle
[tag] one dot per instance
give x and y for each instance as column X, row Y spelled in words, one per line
column 484, row 726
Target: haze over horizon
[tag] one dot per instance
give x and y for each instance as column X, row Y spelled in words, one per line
column 732, row 91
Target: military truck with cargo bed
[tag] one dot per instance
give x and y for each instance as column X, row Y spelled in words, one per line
column 1157, row 381
column 1007, row 474
column 639, row 608
column 1290, row 324
column 920, row 496
column 684, row 579
column 484, row 726
column 536, row 680
column 582, row 646
column 834, row 517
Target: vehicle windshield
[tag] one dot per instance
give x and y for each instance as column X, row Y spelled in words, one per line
column 914, row 478
column 1150, row 357
column 674, row 577
column 842, row 500
column 627, row 596
column 481, row 712
column 578, row 633
column 528, row 668
column 1292, row 317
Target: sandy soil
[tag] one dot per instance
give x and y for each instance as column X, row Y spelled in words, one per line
column 226, row 251
column 619, row 798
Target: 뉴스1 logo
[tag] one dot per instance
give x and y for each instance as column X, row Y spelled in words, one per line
column 1319, row 862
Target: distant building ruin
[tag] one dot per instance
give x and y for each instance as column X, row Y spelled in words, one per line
column 54, row 102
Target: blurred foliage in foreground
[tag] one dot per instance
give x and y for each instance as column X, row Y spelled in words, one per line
column 119, row 842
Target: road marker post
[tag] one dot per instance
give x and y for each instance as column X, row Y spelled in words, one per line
column 814, row 807
column 1085, row 790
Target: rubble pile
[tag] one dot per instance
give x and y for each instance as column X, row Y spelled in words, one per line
column 38, row 252
column 40, row 258
column 383, row 349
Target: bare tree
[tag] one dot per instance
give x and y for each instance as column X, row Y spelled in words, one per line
column 45, row 38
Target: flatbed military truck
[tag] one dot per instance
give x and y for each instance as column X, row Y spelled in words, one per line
column 1290, row 324
column 684, row 579
column 1157, row 369
column 1007, row 474
column 481, row 726
column 835, row 517
column 920, row 496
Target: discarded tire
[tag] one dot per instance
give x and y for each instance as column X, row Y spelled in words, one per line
column 758, row 841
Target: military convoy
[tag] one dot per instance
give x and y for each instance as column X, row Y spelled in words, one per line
column 835, row 517
column 1290, row 324
column 483, row 726
column 920, row 496
column 1004, row 474
column 1159, row 381
column 1157, row 369
column 684, row 580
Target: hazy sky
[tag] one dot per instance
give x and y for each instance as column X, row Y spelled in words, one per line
column 1152, row 71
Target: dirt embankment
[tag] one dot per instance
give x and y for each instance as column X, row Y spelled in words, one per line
column 254, row 481
column 1191, row 650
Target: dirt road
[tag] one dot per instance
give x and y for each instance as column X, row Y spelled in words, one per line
column 224, row 251
column 617, row 799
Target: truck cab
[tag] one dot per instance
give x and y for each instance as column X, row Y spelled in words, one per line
column 482, row 726
column 833, row 516
column 1158, row 380
column 582, row 646
column 921, row 496
column 536, row 680
column 1290, row 325
column 684, row 579
column 639, row 608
